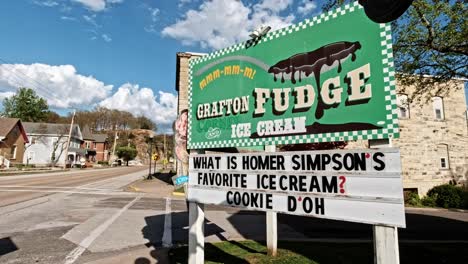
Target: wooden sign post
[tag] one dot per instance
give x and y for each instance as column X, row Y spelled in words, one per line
column 271, row 222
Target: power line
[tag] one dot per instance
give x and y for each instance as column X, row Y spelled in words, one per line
column 20, row 81
column 41, row 87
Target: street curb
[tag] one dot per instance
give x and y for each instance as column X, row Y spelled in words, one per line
column 436, row 209
column 178, row 194
column 133, row 189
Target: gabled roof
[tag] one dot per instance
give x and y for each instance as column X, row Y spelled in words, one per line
column 100, row 137
column 52, row 129
column 7, row 124
column 87, row 135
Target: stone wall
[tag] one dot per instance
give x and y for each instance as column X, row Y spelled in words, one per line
column 424, row 140
column 182, row 78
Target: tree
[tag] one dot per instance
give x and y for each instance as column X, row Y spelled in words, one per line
column 126, row 153
column 429, row 39
column 26, row 105
column 53, row 117
column 145, row 123
column 59, row 145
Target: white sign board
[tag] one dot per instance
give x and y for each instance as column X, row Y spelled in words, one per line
column 351, row 185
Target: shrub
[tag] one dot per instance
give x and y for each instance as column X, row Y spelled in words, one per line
column 24, row 166
column 412, row 198
column 465, row 198
column 428, row 201
column 447, row 196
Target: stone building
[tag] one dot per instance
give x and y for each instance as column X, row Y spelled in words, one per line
column 433, row 136
column 182, row 68
column 433, row 131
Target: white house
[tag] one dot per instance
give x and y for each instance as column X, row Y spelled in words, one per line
column 47, row 144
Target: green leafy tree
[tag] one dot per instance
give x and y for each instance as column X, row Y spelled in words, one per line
column 145, row 123
column 53, row 117
column 26, row 105
column 126, row 153
column 429, row 39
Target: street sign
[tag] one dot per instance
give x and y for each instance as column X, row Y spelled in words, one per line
column 155, row 157
column 351, row 185
column 179, row 180
column 329, row 78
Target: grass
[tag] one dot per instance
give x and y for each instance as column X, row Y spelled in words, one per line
column 321, row 253
column 180, row 190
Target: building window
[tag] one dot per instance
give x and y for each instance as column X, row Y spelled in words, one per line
column 442, row 153
column 466, row 118
column 379, row 143
column 403, row 113
column 403, row 106
column 438, row 105
column 87, row 144
column 94, row 145
column 443, row 163
column 13, row 152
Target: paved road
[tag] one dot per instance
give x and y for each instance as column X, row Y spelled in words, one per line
column 15, row 189
column 90, row 219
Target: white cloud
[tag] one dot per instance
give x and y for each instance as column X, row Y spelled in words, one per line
column 97, row 5
column 274, row 5
column 64, row 88
column 306, row 7
column 154, row 15
column 47, row 3
column 93, row 5
column 61, row 85
column 154, row 12
column 4, row 95
column 220, row 23
column 91, row 20
column 150, row 29
column 183, row 2
column 160, row 109
column 106, row 38
column 68, row 18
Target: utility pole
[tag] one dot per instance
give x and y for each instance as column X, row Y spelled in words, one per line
column 150, row 157
column 113, row 147
column 165, row 153
column 68, row 141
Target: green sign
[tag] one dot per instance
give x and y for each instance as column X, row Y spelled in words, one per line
column 329, row 78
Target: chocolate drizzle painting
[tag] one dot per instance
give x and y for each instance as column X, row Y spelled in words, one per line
column 314, row 62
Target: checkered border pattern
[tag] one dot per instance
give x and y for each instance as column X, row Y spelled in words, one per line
column 390, row 131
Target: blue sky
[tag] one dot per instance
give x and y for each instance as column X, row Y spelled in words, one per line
column 121, row 54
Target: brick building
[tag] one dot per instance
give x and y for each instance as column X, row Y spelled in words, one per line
column 96, row 146
column 12, row 140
